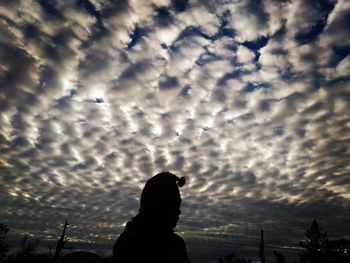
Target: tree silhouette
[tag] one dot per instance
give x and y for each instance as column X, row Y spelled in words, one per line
column 340, row 251
column 315, row 246
column 3, row 246
column 279, row 257
column 61, row 243
column 28, row 247
column 262, row 247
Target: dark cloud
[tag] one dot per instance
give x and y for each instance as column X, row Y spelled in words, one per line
column 31, row 32
column 185, row 91
column 257, row 10
column 17, row 66
column 137, row 34
column 256, row 45
column 163, row 16
column 253, row 86
column 312, row 31
column 50, row 9
column 115, row 8
column 180, row 5
column 89, row 7
column 168, row 82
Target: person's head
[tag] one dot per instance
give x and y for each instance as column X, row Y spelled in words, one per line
column 161, row 200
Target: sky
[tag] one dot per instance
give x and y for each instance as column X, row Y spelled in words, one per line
column 250, row 100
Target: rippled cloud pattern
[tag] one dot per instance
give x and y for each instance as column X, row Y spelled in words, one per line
column 250, row 100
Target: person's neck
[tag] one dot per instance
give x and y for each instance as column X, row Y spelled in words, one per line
column 150, row 223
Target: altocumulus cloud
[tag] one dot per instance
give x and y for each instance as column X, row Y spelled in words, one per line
column 248, row 99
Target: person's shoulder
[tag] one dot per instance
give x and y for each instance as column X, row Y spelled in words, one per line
column 127, row 237
column 181, row 250
column 178, row 239
column 126, row 244
column 130, row 232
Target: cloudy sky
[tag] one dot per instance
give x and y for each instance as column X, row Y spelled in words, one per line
column 250, row 100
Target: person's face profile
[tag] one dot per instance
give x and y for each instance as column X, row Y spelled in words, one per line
column 169, row 212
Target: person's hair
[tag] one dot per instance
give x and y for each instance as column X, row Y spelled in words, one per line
column 161, row 189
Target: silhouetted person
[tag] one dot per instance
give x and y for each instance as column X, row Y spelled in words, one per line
column 149, row 236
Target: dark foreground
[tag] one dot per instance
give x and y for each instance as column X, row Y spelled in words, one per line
column 315, row 248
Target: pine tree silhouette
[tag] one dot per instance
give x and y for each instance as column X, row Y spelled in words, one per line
column 315, row 246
